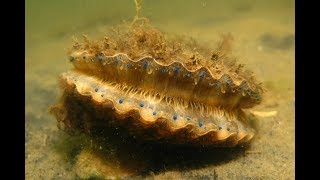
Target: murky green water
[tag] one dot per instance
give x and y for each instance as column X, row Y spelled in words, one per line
column 263, row 40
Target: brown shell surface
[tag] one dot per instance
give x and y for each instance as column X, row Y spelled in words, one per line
column 166, row 91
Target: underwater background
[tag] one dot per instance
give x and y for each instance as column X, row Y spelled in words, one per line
column 264, row 36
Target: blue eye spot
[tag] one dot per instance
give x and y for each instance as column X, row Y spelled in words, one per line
column 120, row 101
column 100, row 56
column 116, row 61
column 128, row 66
column 145, row 64
column 175, row 117
column 243, row 86
column 202, row 75
column 220, row 127
column 176, row 70
column 228, row 129
column 154, row 113
column 218, row 83
column 96, row 89
column 84, row 55
column 141, row 104
column 200, row 123
column 102, row 95
column 163, row 70
column 188, row 74
column 188, row 118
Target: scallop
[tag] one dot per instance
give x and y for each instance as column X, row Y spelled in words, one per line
column 158, row 89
